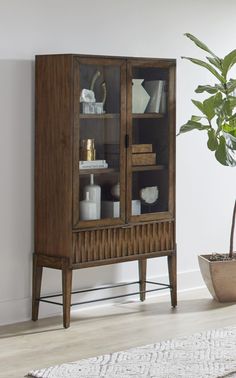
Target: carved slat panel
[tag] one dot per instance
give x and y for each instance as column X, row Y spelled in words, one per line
column 105, row 244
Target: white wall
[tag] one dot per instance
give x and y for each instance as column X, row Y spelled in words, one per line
column 205, row 190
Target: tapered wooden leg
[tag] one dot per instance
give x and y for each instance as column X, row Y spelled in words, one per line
column 172, row 278
column 36, row 287
column 142, row 264
column 66, row 291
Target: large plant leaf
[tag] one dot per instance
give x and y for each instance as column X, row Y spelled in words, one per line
column 211, row 104
column 228, row 62
column 196, row 118
column 207, row 88
column 231, row 85
column 207, row 66
column 199, row 105
column 212, row 142
column 215, row 62
column 229, row 133
column 201, row 45
column 192, row 125
column 223, row 154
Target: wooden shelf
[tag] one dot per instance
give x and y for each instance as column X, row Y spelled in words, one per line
column 100, row 116
column 97, row 171
column 140, row 168
column 148, row 115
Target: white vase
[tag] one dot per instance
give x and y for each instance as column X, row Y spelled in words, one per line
column 88, row 209
column 94, row 195
column 140, row 97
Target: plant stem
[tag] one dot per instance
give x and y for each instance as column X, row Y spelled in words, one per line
column 232, row 232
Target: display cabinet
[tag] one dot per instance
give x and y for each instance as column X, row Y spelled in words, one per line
column 104, row 167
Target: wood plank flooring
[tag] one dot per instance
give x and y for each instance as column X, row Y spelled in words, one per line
column 106, row 329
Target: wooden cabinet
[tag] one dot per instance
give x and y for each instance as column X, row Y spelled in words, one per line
column 119, row 112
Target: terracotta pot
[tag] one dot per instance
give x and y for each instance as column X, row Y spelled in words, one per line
column 219, row 277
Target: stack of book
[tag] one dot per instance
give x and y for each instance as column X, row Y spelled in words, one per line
column 92, row 164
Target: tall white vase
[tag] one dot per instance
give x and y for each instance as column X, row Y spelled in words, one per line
column 140, row 97
column 94, row 195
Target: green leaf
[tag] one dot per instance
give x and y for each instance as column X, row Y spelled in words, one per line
column 206, row 88
column 232, row 102
column 196, row 118
column 209, row 109
column 207, row 66
column 212, row 142
column 231, row 85
column 230, row 135
column 199, row 105
column 228, row 62
column 191, row 125
column 229, row 129
column 201, row 45
column 209, row 106
column 223, row 154
column 215, row 62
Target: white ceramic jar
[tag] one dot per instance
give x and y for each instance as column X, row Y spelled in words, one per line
column 94, row 195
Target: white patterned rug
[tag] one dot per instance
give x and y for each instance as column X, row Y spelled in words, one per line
column 208, row 354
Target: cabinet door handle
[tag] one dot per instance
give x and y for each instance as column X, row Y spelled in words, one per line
column 126, row 140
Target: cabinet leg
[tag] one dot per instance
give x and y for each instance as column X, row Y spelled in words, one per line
column 172, row 278
column 142, row 264
column 36, row 288
column 66, row 291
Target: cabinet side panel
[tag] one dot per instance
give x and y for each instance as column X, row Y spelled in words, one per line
column 53, row 155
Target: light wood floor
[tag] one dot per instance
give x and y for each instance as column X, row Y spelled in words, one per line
column 95, row 331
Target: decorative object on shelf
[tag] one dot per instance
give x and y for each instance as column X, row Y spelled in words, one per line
column 142, row 154
column 163, row 104
column 87, row 151
column 141, row 148
column 155, row 90
column 88, row 208
column 94, row 195
column 149, row 194
column 87, row 96
column 111, row 209
column 87, row 99
column 92, row 164
column 115, row 191
column 148, row 158
column 140, row 97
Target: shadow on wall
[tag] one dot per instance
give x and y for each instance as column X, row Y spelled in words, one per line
column 16, row 162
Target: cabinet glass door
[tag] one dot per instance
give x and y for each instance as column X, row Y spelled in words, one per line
column 99, row 151
column 151, row 132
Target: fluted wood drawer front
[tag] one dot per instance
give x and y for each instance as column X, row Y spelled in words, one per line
column 105, row 244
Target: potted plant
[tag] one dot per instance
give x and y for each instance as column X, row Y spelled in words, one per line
column 218, row 119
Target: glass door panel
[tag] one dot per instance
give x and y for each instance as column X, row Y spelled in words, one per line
column 99, row 146
column 149, row 131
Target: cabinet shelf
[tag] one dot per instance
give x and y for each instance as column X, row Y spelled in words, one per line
column 98, row 171
column 140, row 168
column 148, row 115
column 100, row 116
